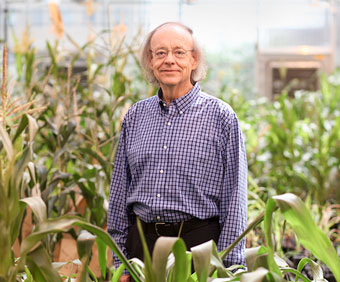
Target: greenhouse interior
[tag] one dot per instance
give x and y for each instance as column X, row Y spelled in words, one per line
column 252, row 145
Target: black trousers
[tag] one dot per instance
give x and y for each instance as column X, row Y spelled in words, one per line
column 194, row 232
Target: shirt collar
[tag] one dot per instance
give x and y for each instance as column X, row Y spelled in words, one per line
column 184, row 102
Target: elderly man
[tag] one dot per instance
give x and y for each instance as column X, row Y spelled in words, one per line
column 181, row 164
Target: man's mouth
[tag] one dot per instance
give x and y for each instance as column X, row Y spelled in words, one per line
column 169, row 71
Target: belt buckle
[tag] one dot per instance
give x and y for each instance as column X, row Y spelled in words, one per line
column 158, row 223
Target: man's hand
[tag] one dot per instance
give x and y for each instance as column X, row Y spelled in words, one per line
column 124, row 278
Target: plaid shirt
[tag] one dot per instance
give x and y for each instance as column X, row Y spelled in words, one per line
column 178, row 162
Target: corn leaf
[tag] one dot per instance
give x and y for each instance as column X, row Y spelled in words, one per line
column 268, row 231
column 316, row 268
column 118, row 273
column 251, row 256
column 6, row 141
column 308, row 233
column 256, row 276
column 32, row 128
column 182, row 268
column 22, row 125
column 102, row 256
column 85, row 242
column 201, row 256
column 216, row 262
column 20, row 166
column 297, row 274
column 40, row 266
column 160, row 256
column 148, row 269
column 64, row 223
column 84, row 246
column 38, row 207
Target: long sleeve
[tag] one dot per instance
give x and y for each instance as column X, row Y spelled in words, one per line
column 119, row 219
column 233, row 204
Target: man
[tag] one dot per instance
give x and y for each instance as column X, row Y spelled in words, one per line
column 181, row 164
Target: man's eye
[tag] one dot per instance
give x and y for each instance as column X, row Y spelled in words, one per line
column 180, row 52
column 160, row 53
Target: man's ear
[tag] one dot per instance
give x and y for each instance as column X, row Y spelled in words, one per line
column 195, row 60
column 150, row 64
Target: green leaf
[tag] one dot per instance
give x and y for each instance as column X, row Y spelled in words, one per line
column 256, row 276
column 21, row 165
column 201, row 256
column 308, row 233
column 138, row 265
column 31, row 169
column 40, row 266
column 38, row 207
column 53, row 58
column 101, row 246
column 64, row 223
column 16, row 222
column 104, row 163
column 6, row 141
column 160, row 256
column 251, row 255
column 66, row 132
column 85, row 242
column 118, row 273
column 22, row 125
column 182, row 268
column 316, row 268
column 148, row 269
column 29, row 275
column 217, row 262
column 297, row 273
column 32, row 128
column 268, row 230
column 94, row 278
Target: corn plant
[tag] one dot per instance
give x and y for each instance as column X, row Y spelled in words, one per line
column 293, row 143
column 79, row 130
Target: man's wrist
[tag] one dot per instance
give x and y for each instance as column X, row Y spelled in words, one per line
column 125, row 278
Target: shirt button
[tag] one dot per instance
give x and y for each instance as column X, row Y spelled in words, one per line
column 180, row 112
column 169, row 123
column 161, row 171
column 165, row 147
column 158, row 195
column 158, row 217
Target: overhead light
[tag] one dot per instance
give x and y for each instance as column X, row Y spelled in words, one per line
column 304, row 49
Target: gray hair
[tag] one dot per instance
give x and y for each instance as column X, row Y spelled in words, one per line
column 196, row 75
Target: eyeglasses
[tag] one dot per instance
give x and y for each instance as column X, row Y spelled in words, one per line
column 179, row 53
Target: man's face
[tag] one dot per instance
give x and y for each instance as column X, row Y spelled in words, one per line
column 173, row 58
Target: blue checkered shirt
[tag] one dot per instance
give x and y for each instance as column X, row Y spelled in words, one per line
column 177, row 162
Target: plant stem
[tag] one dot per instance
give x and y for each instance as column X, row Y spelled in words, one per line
column 251, row 226
column 4, row 74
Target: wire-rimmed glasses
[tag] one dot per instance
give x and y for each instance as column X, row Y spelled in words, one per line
column 179, row 53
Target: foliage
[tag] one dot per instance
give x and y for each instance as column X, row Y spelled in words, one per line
column 293, row 144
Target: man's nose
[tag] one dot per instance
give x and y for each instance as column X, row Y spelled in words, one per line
column 169, row 58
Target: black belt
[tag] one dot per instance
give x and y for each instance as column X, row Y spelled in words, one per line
column 173, row 229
